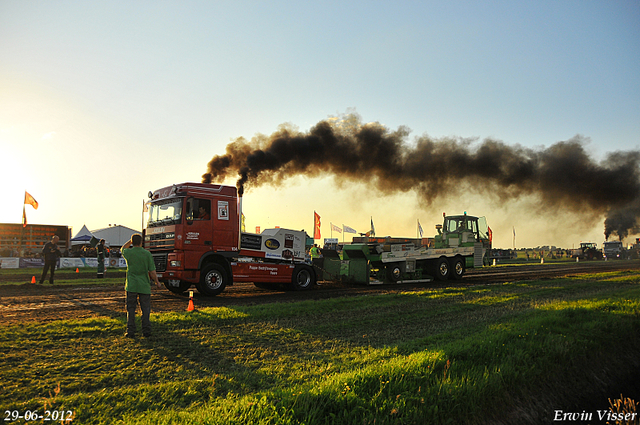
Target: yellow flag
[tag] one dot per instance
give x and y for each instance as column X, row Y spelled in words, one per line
column 29, row 200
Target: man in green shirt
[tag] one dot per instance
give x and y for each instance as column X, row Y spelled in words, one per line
column 140, row 268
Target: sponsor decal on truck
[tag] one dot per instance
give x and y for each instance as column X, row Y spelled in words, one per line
column 272, row 244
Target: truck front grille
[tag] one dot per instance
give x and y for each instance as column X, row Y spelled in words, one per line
column 160, row 240
column 160, row 260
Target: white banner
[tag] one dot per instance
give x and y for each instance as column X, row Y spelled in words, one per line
column 71, row 262
column 9, row 262
column 91, row 262
column 75, row 262
column 65, row 262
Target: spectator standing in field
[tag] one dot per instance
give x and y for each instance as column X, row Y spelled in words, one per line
column 100, row 253
column 140, row 268
column 51, row 253
column 315, row 252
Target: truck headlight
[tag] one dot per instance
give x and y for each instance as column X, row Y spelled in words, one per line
column 175, row 263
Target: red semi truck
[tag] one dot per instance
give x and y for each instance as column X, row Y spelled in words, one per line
column 193, row 232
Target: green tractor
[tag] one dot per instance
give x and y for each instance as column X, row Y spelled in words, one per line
column 462, row 242
column 588, row 251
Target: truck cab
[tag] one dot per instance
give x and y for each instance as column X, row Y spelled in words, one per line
column 614, row 250
column 193, row 233
column 190, row 224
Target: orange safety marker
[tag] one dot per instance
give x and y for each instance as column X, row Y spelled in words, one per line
column 191, row 306
column 77, row 270
column 33, row 279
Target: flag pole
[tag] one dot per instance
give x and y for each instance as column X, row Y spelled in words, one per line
column 24, row 224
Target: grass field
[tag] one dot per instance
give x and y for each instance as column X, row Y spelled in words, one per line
column 512, row 352
column 66, row 276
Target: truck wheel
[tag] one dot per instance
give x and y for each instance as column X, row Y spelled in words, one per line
column 179, row 288
column 213, row 280
column 302, row 279
column 442, row 269
column 457, row 270
column 394, row 273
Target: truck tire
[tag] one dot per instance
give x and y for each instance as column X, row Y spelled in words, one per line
column 303, row 278
column 442, row 269
column 182, row 286
column 394, row 273
column 213, row 280
column 457, row 268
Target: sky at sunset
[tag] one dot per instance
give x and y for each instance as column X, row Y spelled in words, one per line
column 101, row 102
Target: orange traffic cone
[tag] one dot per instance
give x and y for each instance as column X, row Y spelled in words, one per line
column 77, row 270
column 191, row 306
column 33, row 279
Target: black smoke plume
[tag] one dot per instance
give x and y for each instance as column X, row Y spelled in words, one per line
column 561, row 176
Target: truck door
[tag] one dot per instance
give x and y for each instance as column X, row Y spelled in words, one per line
column 198, row 235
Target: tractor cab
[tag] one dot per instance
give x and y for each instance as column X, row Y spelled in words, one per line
column 590, row 251
column 462, row 230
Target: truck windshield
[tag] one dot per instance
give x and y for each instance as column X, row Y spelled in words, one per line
column 165, row 212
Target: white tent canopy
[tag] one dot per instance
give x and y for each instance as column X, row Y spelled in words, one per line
column 82, row 237
column 114, row 235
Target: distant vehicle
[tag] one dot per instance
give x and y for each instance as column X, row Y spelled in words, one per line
column 587, row 251
column 614, row 249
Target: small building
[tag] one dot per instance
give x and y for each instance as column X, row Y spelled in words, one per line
column 17, row 240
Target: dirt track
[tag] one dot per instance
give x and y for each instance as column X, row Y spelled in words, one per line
column 42, row 303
